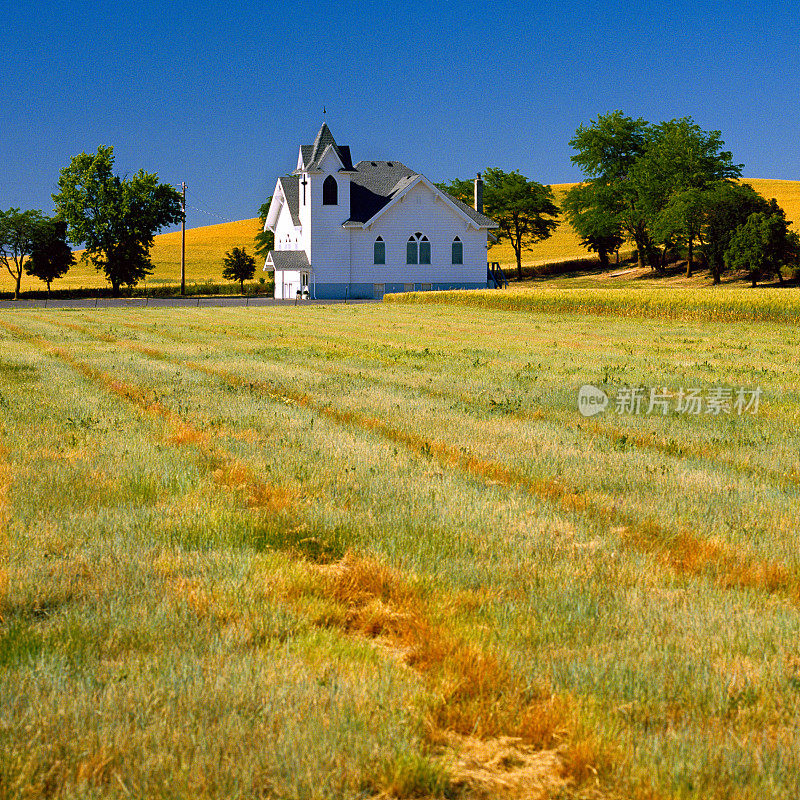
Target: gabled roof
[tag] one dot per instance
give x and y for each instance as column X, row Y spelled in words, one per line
column 378, row 184
column 291, row 191
column 287, row 192
column 311, row 155
column 374, row 185
column 287, row 259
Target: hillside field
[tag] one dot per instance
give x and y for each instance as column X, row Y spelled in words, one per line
column 375, row 551
column 206, row 246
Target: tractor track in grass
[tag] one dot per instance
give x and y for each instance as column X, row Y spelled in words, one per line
column 683, row 549
column 616, row 435
column 482, row 707
column 224, row 468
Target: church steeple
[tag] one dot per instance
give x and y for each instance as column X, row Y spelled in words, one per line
column 311, row 155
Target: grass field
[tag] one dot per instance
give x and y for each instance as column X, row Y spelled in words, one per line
column 206, row 246
column 376, row 551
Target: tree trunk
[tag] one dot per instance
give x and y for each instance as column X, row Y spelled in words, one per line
column 713, row 264
column 48, row 288
column 16, row 287
column 689, row 262
column 780, row 277
column 602, row 253
column 753, row 277
column 241, row 283
column 115, row 289
column 518, row 252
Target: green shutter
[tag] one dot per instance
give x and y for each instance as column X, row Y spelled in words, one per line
column 380, row 252
column 458, row 252
column 411, row 253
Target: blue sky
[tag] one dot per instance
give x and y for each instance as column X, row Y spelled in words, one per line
column 222, row 94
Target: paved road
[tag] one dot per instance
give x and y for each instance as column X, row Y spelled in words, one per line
column 167, row 302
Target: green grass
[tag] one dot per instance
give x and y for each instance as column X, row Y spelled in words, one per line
column 343, row 551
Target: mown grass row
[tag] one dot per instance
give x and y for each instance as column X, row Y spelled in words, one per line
column 370, row 421
column 711, row 305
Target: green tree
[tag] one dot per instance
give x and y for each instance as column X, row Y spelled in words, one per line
column 239, row 266
column 51, row 256
column 599, row 232
column 607, row 151
column 524, row 210
column 265, row 239
column 763, row 244
column 115, row 218
column 459, row 188
column 17, row 232
column 726, row 206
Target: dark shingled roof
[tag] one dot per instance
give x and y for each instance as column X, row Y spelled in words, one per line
column 312, row 153
column 288, row 259
column 374, row 185
column 291, row 191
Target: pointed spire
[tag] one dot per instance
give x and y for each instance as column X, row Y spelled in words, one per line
column 324, row 138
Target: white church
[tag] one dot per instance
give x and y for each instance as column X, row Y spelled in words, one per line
column 358, row 231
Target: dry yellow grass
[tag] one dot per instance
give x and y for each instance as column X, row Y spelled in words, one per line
column 787, row 193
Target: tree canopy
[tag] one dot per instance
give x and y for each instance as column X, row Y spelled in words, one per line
column 525, row 210
column 599, row 231
column 265, row 239
column 115, row 218
column 51, row 256
column 18, row 230
column 459, row 188
column 650, row 183
column 763, row 244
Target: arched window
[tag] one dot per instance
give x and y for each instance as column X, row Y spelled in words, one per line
column 458, row 251
column 330, row 192
column 418, row 249
column 379, row 251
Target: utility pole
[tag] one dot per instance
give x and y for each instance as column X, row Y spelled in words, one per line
column 183, row 239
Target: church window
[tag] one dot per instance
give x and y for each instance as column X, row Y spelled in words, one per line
column 418, row 249
column 412, row 251
column 330, row 192
column 458, row 251
column 379, row 251
column 424, row 251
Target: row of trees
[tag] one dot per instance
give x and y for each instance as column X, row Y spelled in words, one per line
column 665, row 188
column 672, row 187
